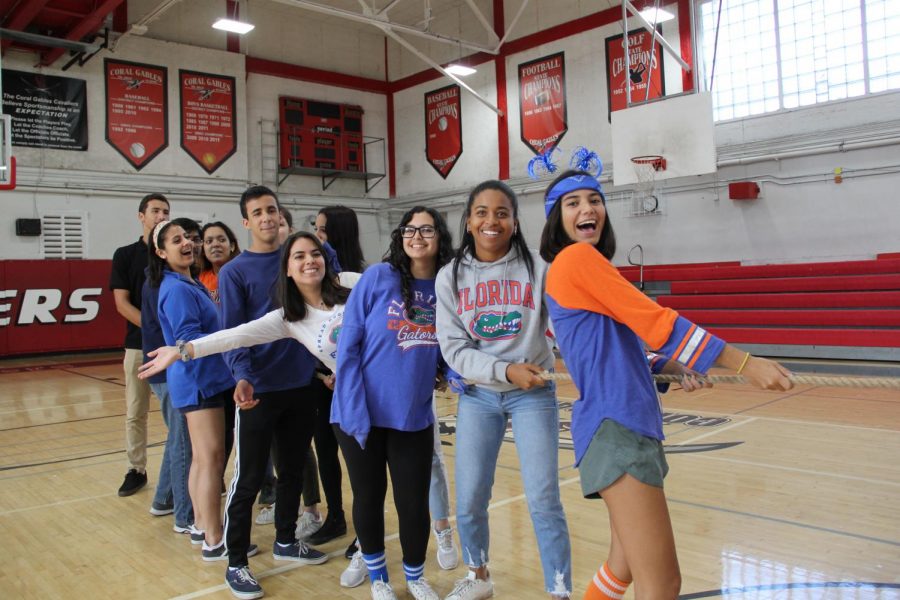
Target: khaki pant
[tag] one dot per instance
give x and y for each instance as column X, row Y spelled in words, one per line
column 137, row 406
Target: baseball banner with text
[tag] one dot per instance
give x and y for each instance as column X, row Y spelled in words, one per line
column 443, row 129
column 645, row 70
column 137, row 118
column 208, row 125
column 542, row 102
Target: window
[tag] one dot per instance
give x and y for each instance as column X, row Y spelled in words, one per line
column 781, row 54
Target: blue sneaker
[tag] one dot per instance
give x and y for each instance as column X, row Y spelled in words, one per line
column 298, row 552
column 242, row 583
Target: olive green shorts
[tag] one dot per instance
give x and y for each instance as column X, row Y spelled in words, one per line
column 616, row 450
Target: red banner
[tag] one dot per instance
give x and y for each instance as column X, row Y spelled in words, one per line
column 646, row 68
column 208, row 126
column 443, row 129
column 137, row 119
column 542, row 102
column 57, row 305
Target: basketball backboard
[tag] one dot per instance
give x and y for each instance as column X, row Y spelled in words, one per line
column 679, row 128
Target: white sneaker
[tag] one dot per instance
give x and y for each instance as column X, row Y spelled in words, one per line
column 308, row 524
column 471, row 588
column 266, row 515
column 355, row 573
column 382, row 590
column 421, row 590
column 447, row 556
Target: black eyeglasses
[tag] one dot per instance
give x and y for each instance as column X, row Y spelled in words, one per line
column 426, row 231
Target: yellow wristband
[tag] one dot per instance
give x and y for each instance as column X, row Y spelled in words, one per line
column 743, row 363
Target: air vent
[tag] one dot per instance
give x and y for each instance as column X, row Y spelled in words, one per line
column 64, row 236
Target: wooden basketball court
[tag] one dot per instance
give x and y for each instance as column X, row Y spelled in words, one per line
column 773, row 495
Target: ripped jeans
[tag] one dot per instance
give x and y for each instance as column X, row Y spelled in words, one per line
column 480, row 427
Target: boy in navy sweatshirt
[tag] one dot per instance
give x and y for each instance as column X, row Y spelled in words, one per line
column 271, row 395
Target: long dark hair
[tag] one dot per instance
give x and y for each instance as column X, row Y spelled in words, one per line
column 342, row 228
column 468, row 240
column 205, row 265
column 289, row 296
column 156, row 264
column 554, row 238
column 397, row 257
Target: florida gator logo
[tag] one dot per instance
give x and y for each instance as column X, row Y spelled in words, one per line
column 419, row 315
column 496, row 325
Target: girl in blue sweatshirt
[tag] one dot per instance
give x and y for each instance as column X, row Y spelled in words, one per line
column 388, row 358
column 199, row 389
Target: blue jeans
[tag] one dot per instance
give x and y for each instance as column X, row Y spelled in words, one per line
column 176, row 461
column 480, row 427
column 438, row 493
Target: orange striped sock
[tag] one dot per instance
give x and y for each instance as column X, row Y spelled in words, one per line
column 606, row 586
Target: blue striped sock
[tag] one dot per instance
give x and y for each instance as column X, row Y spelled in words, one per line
column 413, row 572
column 377, row 566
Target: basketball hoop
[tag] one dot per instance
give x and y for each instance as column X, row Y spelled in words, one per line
column 644, row 199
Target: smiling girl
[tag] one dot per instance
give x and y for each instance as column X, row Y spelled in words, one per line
column 600, row 320
column 491, row 325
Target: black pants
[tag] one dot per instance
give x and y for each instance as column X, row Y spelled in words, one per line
column 286, row 415
column 327, row 448
column 408, row 456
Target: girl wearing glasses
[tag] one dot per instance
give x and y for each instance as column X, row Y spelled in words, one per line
column 388, row 359
column 491, row 322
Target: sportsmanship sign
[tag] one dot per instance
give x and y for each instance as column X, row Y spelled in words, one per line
column 646, row 68
column 443, row 129
column 137, row 121
column 542, row 102
column 208, row 127
column 46, row 111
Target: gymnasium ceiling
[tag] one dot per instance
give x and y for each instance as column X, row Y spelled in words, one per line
column 60, row 32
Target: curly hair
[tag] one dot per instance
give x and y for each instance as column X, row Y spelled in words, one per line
column 396, row 256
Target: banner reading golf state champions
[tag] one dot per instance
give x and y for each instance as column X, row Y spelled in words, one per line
column 137, row 119
column 645, row 70
column 542, row 102
column 208, row 127
column 443, row 129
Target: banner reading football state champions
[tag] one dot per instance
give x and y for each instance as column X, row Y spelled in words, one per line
column 443, row 129
column 137, row 119
column 542, row 102
column 208, row 127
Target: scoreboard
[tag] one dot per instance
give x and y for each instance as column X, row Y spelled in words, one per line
column 320, row 135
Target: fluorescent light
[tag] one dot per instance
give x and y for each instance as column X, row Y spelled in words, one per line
column 460, row 70
column 233, row 26
column 656, row 15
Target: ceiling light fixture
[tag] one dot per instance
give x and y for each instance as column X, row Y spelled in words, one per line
column 233, row 26
column 460, row 70
column 656, row 15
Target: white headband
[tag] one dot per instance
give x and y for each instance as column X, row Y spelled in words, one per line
column 156, row 230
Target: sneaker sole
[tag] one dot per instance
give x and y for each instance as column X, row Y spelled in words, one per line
column 356, row 584
column 161, row 512
column 245, row 595
column 253, row 550
column 305, row 561
column 131, row 491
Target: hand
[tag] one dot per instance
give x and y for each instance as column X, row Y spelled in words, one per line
column 524, row 375
column 164, row 356
column 243, row 395
column 329, row 381
column 691, row 381
column 458, row 385
column 440, row 384
column 767, row 374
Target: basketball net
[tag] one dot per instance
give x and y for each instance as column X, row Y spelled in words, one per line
column 645, row 198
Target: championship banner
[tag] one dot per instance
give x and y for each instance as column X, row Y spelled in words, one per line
column 46, row 111
column 542, row 102
column 137, row 119
column 646, row 68
column 443, row 129
column 208, row 126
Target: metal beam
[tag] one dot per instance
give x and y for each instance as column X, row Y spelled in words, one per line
column 382, row 22
column 35, row 39
column 482, row 20
column 513, row 24
column 646, row 25
column 25, row 13
column 388, row 7
column 90, row 24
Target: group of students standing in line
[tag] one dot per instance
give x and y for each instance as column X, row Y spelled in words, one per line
column 476, row 319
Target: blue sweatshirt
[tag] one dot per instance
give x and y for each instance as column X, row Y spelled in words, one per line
column 151, row 332
column 186, row 312
column 388, row 356
column 247, row 292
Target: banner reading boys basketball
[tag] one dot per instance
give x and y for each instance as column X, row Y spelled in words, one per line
column 208, row 127
column 137, row 119
column 542, row 102
column 443, row 129
column 646, row 68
